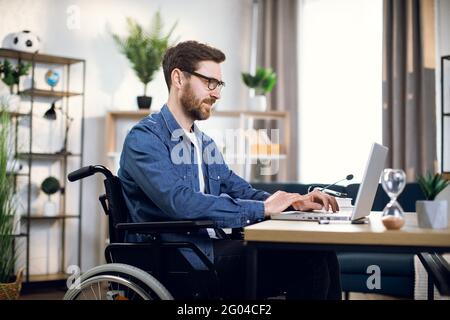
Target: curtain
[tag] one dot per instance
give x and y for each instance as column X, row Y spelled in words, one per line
column 277, row 49
column 409, row 107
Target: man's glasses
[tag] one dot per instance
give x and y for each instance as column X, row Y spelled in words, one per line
column 212, row 82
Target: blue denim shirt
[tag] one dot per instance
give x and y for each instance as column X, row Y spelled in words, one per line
column 159, row 175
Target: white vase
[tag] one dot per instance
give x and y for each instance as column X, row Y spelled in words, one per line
column 258, row 103
column 432, row 214
column 16, row 229
column 49, row 209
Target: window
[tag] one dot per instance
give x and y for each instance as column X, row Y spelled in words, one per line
column 340, row 87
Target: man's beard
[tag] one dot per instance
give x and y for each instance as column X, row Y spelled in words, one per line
column 193, row 106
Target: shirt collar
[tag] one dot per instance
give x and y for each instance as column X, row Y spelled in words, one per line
column 172, row 124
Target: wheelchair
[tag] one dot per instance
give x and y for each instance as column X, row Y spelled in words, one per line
column 151, row 270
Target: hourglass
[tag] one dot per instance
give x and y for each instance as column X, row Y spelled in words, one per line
column 393, row 181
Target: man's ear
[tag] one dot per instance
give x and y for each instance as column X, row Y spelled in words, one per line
column 177, row 78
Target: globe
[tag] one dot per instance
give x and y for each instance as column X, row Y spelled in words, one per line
column 52, row 78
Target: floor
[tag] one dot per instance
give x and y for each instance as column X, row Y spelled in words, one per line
column 44, row 294
column 58, row 294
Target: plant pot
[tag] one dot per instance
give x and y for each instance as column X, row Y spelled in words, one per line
column 432, row 214
column 144, row 102
column 11, row 290
column 258, row 103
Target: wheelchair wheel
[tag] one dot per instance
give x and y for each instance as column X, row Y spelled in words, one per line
column 117, row 281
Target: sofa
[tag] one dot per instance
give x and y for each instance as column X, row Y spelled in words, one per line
column 397, row 270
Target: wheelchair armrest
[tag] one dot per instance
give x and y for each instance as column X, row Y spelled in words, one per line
column 166, row 226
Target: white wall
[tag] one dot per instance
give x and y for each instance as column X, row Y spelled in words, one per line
column 110, row 82
column 340, row 87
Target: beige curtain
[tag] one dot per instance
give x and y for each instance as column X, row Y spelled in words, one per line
column 277, row 48
column 409, row 110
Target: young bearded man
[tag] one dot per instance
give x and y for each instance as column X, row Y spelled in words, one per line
column 170, row 170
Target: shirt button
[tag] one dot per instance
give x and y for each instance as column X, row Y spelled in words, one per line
column 218, row 177
column 248, row 221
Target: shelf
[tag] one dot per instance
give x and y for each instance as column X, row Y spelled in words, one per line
column 19, row 235
column 34, row 222
column 37, row 57
column 47, row 156
column 255, row 156
column 17, row 174
column 254, row 114
column 68, row 216
column 48, row 277
column 48, row 93
column 131, row 113
column 16, row 114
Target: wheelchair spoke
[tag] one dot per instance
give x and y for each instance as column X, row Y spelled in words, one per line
column 94, row 293
column 116, row 286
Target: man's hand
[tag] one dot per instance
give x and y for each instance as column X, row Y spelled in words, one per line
column 279, row 201
column 316, row 200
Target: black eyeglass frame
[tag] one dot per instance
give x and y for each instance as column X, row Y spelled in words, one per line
column 211, row 81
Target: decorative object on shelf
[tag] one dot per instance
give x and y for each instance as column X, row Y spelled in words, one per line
column 261, row 144
column 11, row 74
column 50, row 114
column 52, row 78
column 26, row 41
column 393, row 182
column 9, row 288
column 262, row 82
column 50, row 186
column 432, row 213
column 145, row 50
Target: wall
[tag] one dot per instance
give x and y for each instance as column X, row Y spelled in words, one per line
column 110, row 82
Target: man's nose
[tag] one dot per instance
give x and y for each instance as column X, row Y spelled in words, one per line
column 215, row 93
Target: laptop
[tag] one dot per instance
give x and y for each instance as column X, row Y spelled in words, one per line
column 364, row 199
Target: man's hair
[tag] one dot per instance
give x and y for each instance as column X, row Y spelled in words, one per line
column 186, row 56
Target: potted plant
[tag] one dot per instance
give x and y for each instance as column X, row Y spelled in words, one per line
column 432, row 213
column 11, row 74
column 262, row 82
column 145, row 51
column 50, row 186
column 9, row 287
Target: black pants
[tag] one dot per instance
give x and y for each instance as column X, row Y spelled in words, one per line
column 298, row 274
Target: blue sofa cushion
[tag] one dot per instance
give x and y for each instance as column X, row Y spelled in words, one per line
column 390, row 285
column 390, row 264
column 292, row 187
column 407, row 198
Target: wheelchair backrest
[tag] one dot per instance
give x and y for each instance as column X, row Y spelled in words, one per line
column 117, row 208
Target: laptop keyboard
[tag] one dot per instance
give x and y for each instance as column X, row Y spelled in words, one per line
column 342, row 211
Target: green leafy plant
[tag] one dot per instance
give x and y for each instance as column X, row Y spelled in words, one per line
column 263, row 80
column 145, row 49
column 50, row 186
column 432, row 184
column 11, row 74
column 7, row 208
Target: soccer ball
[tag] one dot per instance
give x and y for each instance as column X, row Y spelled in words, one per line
column 26, row 41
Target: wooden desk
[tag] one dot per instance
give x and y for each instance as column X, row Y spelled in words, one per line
column 371, row 237
column 373, row 233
